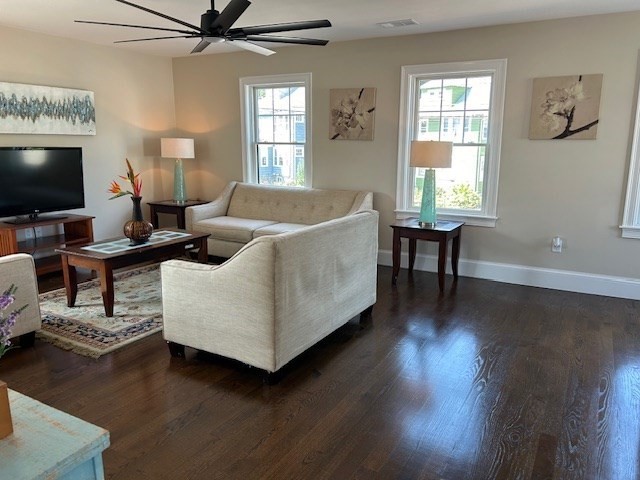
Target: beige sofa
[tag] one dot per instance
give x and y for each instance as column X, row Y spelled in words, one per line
column 278, row 295
column 245, row 211
column 19, row 269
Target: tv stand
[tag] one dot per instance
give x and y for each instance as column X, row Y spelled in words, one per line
column 34, row 218
column 77, row 230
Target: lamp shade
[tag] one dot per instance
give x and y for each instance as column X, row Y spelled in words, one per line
column 176, row 148
column 428, row 154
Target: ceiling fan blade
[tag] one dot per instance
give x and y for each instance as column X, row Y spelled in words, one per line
column 153, row 38
column 252, row 47
column 229, row 15
column 294, row 40
column 279, row 27
column 136, row 26
column 162, row 15
column 200, row 47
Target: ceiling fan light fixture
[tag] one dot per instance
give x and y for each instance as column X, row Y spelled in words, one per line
column 215, row 27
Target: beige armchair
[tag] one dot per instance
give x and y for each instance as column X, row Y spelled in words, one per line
column 19, row 269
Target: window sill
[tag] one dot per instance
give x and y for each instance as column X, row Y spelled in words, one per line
column 470, row 220
column 630, row 231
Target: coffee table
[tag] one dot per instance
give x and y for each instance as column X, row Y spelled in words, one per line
column 107, row 255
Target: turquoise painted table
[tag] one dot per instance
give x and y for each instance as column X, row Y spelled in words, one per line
column 49, row 444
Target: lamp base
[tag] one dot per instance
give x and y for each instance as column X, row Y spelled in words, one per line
column 427, row 224
column 428, row 217
column 179, row 188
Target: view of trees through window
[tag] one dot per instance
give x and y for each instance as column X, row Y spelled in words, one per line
column 280, row 134
column 455, row 110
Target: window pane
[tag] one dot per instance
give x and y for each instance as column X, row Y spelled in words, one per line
column 299, row 130
column 479, row 96
column 284, row 165
column 265, row 128
column 476, row 127
column 454, row 93
column 430, row 94
column 282, row 132
column 428, row 126
column 264, row 98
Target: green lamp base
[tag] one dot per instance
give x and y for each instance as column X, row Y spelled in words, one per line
column 428, row 217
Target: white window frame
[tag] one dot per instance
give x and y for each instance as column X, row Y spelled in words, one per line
column 248, row 132
column 631, row 217
column 486, row 217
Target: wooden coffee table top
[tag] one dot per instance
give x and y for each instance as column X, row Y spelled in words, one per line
column 119, row 246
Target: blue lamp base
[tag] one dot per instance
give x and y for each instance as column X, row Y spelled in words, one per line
column 427, row 217
column 179, row 188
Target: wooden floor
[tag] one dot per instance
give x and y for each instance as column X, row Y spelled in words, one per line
column 487, row 381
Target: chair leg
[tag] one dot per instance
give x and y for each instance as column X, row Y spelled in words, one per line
column 27, row 340
column 176, row 350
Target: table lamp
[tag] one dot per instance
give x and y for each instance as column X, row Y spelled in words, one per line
column 429, row 155
column 177, row 148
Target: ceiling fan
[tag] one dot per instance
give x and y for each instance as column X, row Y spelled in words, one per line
column 215, row 27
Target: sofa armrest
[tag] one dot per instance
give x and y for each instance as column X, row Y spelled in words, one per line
column 225, row 309
column 363, row 201
column 216, row 208
column 19, row 269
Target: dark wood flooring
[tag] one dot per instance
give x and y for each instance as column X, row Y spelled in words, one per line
column 487, row 381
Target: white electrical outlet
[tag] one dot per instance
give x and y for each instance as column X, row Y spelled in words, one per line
column 556, row 244
column 38, row 231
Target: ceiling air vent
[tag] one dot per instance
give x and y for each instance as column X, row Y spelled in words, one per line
column 397, row 23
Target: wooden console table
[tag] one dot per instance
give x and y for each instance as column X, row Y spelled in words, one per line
column 173, row 208
column 76, row 230
column 443, row 231
column 48, row 443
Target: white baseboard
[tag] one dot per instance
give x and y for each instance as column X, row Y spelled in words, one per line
column 580, row 282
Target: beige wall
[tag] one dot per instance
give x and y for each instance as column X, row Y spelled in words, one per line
column 134, row 106
column 570, row 188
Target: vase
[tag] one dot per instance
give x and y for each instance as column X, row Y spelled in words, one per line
column 6, row 425
column 138, row 230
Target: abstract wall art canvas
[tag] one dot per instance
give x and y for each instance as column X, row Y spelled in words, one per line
column 39, row 109
column 352, row 113
column 565, row 107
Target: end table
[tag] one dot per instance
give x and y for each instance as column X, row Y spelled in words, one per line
column 441, row 233
column 172, row 207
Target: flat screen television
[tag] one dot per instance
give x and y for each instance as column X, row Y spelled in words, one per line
column 35, row 180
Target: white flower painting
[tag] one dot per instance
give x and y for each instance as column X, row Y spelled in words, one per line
column 565, row 107
column 352, row 113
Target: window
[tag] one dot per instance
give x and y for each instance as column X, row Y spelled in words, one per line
column 460, row 103
column 276, row 129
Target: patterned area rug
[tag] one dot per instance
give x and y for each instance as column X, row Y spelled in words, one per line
column 84, row 329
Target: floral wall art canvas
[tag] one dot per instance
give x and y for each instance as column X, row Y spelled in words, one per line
column 352, row 113
column 565, row 107
column 46, row 110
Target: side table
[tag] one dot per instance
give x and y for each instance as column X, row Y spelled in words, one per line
column 443, row 231
column 172, row 207
column 48, row 443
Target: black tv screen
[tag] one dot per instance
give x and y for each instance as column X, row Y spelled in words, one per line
column 36, row 180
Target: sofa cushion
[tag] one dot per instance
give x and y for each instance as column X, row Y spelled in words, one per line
column 277, row 228
column 290, row 204
column 233, row 229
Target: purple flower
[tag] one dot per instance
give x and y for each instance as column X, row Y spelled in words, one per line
column 6, row 299
column 7, row 323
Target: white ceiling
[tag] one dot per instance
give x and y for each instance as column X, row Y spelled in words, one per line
column 351, row 19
